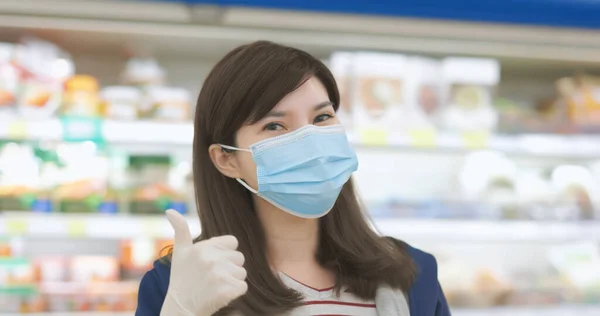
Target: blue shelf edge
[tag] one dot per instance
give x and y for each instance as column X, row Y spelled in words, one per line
column 553, row 13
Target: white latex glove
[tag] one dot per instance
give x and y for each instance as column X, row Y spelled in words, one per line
column 205, row 276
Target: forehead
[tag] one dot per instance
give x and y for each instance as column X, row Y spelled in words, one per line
column 306, row 96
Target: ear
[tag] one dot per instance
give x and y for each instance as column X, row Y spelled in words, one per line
column 224, row 161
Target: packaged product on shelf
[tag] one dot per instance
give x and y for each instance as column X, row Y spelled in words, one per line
column 87, row 269
column 9, row 78
column 20, row 183
column 152, row 192
column 488, row 177
column 577, row 190
column 16, row 272
column 81, row 97
column 167, row 103
column 423, row 93
column 468, row 88
column 121, row 102
column 341, row 67
column 43, row 70
column 143, row 72
column 5, row 247
column 84, row 184
column 52, row 269
column 578, row 264
column 582, row 95
column 379, row 91
column 137, row 256
column 468, row 285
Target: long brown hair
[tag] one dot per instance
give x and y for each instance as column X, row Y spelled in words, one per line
column 243, row 87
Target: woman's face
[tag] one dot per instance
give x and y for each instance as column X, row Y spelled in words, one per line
column 309, row 104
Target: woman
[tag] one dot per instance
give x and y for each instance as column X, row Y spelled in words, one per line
column 282, row 229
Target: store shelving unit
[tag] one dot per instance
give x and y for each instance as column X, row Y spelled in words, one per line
column 156, row 226
column 178, row 135
column 100, row 36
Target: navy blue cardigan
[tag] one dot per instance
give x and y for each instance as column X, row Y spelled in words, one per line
column 425, row 297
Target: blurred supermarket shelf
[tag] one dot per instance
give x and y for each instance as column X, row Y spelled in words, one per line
column 212, row 30
column 531, row 311
column 88, row 226
column 488, row 231
column 147, row 134
column 128, row 226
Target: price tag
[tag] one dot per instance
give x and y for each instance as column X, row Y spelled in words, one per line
column 76, row 129
column 17, row 130
column 425, row 137
column 16, row 227
column 475, row 140
column 372, row 136
column 76, row 228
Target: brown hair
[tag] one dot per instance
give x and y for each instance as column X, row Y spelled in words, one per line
column 243, row 87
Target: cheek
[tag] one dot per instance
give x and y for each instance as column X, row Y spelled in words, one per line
column 247, row 169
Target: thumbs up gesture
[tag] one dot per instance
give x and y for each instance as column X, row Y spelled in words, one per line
column 205, row 276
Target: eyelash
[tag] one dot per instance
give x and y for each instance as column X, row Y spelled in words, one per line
column 272, row 125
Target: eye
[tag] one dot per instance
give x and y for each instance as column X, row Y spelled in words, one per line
column 322, row 118
column 273, row 126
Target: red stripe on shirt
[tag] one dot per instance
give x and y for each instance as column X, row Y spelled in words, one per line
column 339, row 303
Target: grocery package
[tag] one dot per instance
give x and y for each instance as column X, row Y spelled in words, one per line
column 341, row 67
column 52, row 269
column 81, row 97
column 578, row 265
column 489, row 178
column 94, row 269
column 153, row 192
column 121, row 102
column 167, row 103
column 143, row 72
column 43, row 69
column 468, row 88
column 582, row 96
column 138, row 255
column 577, row 191
column 20, row 182
column 379, row 91
column 423, row 93
column 84, row 185
column 467, row 284
column 9, row 78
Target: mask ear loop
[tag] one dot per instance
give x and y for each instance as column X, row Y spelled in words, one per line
column 234, row 148
column 238, row 179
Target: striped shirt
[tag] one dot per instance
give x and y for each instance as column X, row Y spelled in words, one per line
column 324, row 302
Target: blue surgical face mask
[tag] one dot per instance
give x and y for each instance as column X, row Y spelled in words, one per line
column 303, row 172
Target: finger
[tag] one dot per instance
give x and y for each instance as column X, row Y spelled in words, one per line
column 239, row 288
column 225, row 242
column 238, row 273
column 235, row 257
column 183, row 237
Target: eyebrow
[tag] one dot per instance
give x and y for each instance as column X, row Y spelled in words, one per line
column 283, row 113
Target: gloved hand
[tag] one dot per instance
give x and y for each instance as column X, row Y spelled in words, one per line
column 205, row 276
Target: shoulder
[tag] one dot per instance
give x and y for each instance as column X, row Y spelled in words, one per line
column 153, row 289
column 426, row 296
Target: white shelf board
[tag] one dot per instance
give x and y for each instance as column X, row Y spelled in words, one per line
column 487, row 231
column 98, row 226
column 212, row 31
column 161, row 136
column 56, row 225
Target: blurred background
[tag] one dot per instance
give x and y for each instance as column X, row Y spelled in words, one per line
column 477, row 127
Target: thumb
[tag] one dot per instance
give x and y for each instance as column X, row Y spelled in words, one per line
column 183, row 237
